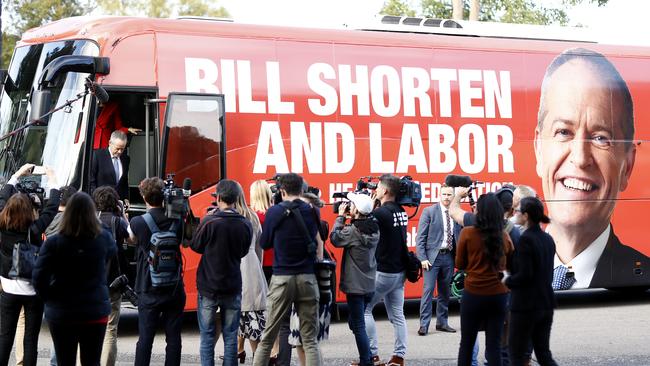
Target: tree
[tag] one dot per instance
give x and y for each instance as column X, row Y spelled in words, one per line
column 26, row 14
column 163, row 8
column 397, row 8
column 506, row 11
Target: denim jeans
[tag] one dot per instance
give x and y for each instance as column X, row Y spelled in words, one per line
column 155, row 308
column 230, row 308
column 440, row 273
column 10, row 306
column 389, row 287
column 356, row 321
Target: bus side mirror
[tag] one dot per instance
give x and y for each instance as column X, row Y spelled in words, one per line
column 41, row 102
column 52, row 74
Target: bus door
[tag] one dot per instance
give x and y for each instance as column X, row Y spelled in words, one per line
column 194, row 144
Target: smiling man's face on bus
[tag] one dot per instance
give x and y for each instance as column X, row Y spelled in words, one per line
column 580, row 145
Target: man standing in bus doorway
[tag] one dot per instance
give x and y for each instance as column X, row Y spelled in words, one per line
column 585, row 155
column 389, row 282
column 110, row 167
column 436, row 240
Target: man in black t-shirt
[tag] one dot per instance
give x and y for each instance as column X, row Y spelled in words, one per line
column 155, row 305
column 389, row 284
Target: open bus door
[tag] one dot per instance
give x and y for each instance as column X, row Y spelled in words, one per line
column 193, row 146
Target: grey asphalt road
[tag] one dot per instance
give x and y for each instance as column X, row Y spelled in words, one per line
column 591, row 327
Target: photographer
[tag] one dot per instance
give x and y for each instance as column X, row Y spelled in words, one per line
column 109, row 212
column 155, row 304
column 391, row 267
column 21, row 222
column 359, row 242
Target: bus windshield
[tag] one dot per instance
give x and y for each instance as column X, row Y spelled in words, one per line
column 59, row 143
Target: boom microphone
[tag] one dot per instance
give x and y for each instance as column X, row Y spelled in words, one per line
column 458, row 181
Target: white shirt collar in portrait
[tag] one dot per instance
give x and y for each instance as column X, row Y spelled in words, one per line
column 584, row 264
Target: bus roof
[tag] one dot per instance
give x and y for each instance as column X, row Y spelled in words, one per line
column 109, row 30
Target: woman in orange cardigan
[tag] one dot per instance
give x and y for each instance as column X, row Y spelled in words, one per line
column 483, row 252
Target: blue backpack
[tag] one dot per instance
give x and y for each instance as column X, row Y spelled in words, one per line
column 164, row 254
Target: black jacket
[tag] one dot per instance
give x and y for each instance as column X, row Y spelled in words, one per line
column 9, row 238
column 223, row 239
column 102, row 172
column 532, row 272
column 621, row 266
column 70, row 276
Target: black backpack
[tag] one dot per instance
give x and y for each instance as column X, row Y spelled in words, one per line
column 23, row 259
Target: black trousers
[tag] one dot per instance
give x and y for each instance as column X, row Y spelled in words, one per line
column 89, row 337
column 160, row 308
column 476, row 310
column 10, row 306
column 527, row 326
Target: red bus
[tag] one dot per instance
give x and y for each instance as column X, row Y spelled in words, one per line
column 219, row 99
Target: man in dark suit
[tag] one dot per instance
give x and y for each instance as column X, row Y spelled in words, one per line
column 585, row 151
column 436, row 240
column 110, row 167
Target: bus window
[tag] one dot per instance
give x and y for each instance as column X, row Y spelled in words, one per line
column 194, row 138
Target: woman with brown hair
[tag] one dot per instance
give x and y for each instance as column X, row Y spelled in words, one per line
column 484, row 253
column 20, row 222
column 70, row 275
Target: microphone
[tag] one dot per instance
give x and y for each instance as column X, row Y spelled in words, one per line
column 458, row 181
column 187, row 187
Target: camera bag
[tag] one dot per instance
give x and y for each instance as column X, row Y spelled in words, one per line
column 164, row 254
column 23, row 259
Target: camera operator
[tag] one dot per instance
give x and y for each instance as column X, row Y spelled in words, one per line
column 359, row 242
column 391, row 267
column 20, row 222
column 160, row 304
column 112, row 217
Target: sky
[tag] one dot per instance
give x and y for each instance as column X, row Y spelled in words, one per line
column 613, row 23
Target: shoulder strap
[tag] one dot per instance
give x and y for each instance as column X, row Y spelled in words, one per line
column 301, row 224
column 148, row 219
column 114, row 228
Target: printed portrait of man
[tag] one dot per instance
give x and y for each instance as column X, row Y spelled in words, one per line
column 585, row 152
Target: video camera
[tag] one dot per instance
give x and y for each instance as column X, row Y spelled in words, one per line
column 462, row 181
column 35, row 192
column 277, row 185
column 410, row 192
column 177, row 200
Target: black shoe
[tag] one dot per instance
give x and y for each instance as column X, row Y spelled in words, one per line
column 445, row 328
column 422, row 331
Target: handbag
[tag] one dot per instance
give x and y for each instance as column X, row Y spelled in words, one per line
column 23, row 259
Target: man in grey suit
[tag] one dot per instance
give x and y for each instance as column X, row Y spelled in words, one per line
column 436, row 240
